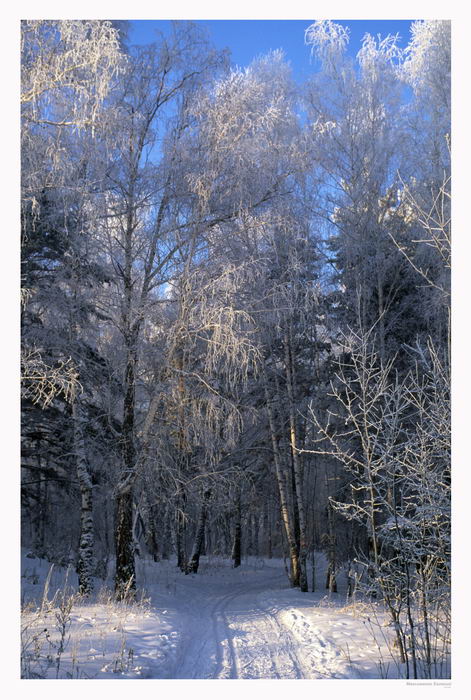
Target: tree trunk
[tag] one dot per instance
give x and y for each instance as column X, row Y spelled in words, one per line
column 283, row 491
column 294, row 501
column 331, row 580
column 313, row 571
column 40, row 515
column 152, row 542
column 297, row 469
column 166, row 538
column 125, row 578
column 193, row 564
column 249, row 535
column 85, row 553
column 180, row 533
column 236, row 547
column 269, row 532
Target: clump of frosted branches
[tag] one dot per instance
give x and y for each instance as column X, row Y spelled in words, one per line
column 428, row 57
column 67, row 67
column 214, row 316
column 67, row 70
column 42, row 382
column 377, row 55
column 240, row 120
column 327, row 39
column 213, row 326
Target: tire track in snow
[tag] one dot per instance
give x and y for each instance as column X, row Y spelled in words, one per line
column 256, row 638
column 209, row 650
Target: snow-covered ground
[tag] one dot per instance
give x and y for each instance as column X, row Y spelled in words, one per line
column 221, row 623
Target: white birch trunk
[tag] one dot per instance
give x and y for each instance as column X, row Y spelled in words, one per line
column 290, row 382
column 85, row 553
column 283, row 491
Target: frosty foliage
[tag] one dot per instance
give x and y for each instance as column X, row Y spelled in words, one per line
column 67, row 68
column 212, row 324
column 427, row 69
column 378, row 56
column 245, row 118
column 427, row 65
column 328, row 41
column 42, row 382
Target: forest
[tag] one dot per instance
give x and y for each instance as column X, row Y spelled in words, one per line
column 235, row 318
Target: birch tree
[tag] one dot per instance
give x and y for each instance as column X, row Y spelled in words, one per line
column 142, row 212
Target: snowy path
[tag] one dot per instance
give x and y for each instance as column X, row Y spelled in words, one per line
column 240, row 631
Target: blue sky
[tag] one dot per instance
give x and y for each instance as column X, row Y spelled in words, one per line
column 247, row 39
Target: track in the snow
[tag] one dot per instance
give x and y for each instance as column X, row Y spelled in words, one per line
column 233, row 636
